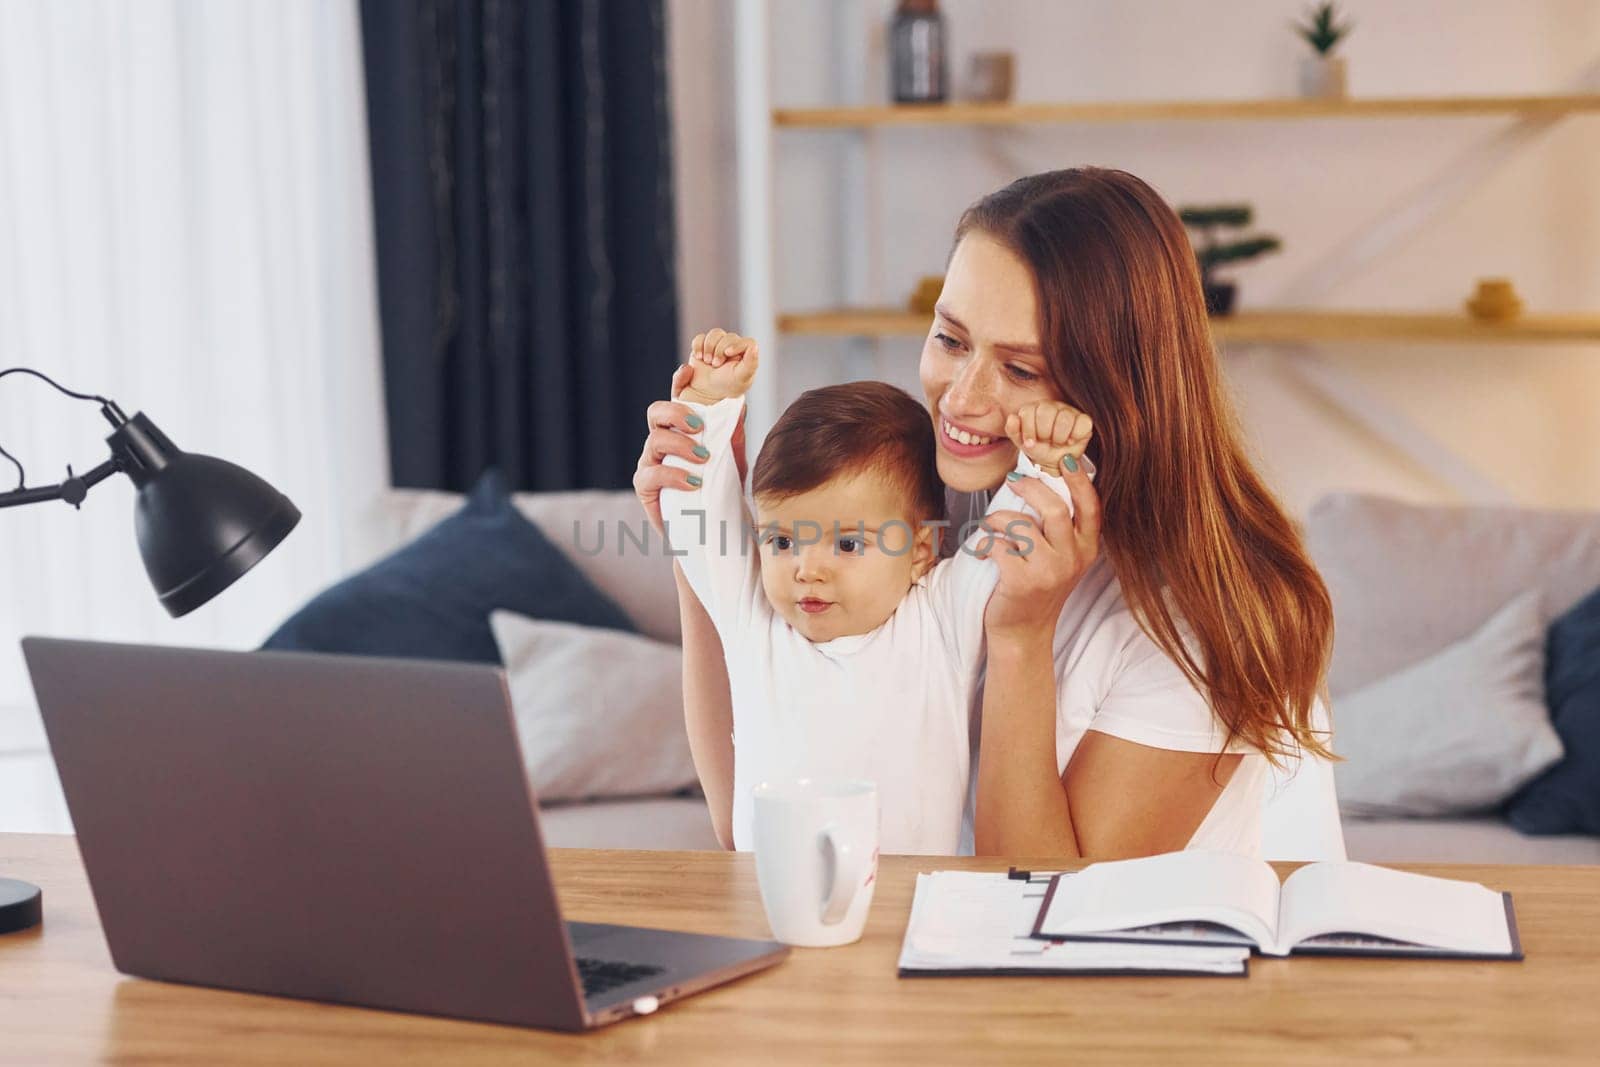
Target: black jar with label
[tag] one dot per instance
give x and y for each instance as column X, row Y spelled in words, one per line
column 919, row 69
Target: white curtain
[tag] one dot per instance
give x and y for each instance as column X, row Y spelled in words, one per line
column 185, row 228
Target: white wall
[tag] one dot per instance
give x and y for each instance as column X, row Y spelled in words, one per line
column 1488, row 196
column 186, row 228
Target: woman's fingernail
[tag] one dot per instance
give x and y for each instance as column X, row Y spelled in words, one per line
column 694, row 480
column 1071, row 464
column 701, row 451
column 694, row 422
column 1014, row 476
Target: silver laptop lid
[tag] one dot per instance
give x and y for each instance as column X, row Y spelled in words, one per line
column 347, row 829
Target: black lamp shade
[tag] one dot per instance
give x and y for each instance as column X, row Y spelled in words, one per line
column 201, row 521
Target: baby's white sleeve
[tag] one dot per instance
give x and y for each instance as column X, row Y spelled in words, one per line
column 1006, row 499
column 707, row 527
column 961, row 586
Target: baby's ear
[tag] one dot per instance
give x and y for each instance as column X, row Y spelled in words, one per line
column 924, row 550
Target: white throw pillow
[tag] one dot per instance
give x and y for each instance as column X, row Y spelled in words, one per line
column 599, row 712
column 1458, row 732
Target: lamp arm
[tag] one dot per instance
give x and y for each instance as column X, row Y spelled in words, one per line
column 73, row 490
column 77, row 486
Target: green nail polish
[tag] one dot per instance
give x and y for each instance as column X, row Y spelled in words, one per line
column 1013, row 476
column 694, row 480
column 702, row 451
column 694, row 422
column 1070, row 463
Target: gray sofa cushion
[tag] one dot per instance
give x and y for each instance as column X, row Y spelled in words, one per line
column 1485, row 839
column 431, row 598
column 1408, row 580
column 598, row 529
column 657, row 822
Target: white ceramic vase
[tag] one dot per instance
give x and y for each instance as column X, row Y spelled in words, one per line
column 1323, row 78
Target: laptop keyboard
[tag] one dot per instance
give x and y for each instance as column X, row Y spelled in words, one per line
column 600, row 976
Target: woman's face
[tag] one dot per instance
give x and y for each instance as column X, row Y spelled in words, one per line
column 982, row 361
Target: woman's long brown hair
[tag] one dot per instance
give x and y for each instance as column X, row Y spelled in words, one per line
column 1204, row 551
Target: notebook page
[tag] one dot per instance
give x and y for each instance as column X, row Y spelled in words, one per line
column 1325, row 898
column 969, row 921
column 1188, row 886
column 954, row 912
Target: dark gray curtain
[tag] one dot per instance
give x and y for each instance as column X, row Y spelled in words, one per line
column 523, row 207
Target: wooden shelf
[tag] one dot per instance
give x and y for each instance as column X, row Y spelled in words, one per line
column 973, row 114
column 1288, row 325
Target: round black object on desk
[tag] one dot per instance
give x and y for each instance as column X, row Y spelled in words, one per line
column 20, row 905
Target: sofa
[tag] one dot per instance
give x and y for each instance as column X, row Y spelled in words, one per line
column 1410, row 582
column 1396, row 600
column 640, row 580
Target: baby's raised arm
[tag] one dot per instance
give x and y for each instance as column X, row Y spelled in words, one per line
column 707, row 525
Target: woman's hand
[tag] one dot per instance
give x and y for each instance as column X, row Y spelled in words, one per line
column 672, row 433
column 1041, row 560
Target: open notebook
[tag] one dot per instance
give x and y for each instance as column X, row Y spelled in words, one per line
column 1340, row 909
column 973, row 923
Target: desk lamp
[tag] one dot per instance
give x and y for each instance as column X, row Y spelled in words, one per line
column 201, row 522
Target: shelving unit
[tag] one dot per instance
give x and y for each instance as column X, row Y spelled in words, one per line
column 759, row 123
column 969, row 114
column 1286, row 325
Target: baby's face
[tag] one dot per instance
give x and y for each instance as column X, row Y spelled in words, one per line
column 837, row 560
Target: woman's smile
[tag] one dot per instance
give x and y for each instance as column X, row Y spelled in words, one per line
column 963, row 441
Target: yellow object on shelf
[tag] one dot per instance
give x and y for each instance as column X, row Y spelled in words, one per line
column 1495, row 300
column 926, row 294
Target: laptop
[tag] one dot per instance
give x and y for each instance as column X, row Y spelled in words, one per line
column 344, row 829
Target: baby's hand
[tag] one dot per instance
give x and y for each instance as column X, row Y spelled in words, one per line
column 724, row 365
column 1047, row 430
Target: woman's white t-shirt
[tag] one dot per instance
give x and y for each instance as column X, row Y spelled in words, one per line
column 1112, row 677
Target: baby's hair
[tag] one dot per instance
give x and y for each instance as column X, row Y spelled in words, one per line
column 846, row 429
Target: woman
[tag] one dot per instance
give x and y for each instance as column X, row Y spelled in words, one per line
column 1148, row 659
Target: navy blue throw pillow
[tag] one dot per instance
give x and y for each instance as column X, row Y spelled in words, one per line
column 431, row 599
column 1566, row 798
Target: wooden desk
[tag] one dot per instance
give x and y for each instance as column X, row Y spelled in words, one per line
column 60, row 1000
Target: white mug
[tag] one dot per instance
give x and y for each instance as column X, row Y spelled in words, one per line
column 816, row 845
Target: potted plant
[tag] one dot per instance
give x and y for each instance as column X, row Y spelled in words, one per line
column 1323, row 75
column 1212, row 253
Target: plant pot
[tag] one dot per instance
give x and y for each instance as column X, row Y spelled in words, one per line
column 1219, row 296
column 1323, row 78
column 1495, row 301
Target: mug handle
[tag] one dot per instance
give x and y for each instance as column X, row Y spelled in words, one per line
column 849, row 868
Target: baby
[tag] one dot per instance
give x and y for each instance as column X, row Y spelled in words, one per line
column 853, row 651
